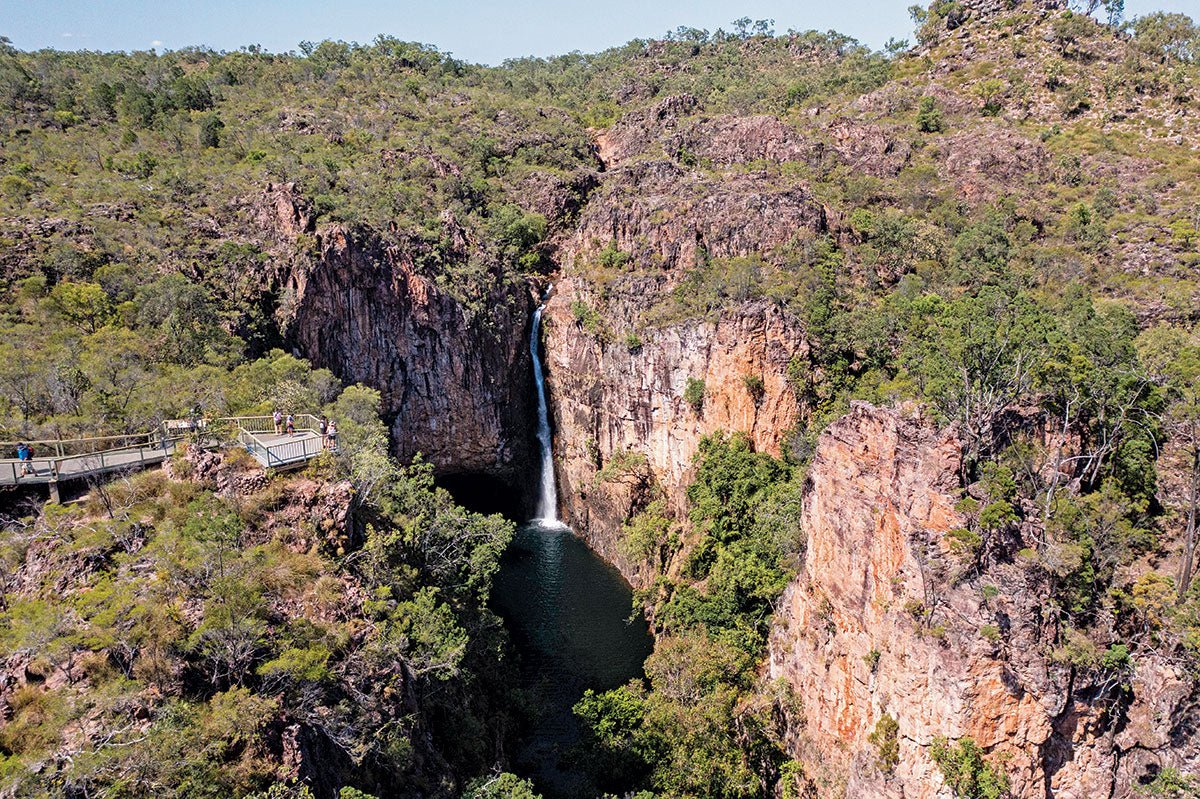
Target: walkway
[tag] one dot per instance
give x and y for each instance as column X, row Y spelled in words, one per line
column 77, row 459
column 257, row 435
column 71, row 467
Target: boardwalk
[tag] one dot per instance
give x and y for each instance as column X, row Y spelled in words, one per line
column 64, row 461
column 143, row 451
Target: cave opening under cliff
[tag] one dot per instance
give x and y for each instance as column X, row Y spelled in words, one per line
column 483, row 492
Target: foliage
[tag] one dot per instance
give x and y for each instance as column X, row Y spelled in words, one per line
column 501, row 786
column 887, row 746
column 929, row 116
column 966, row 770
column 276, row 633
column 693, row 393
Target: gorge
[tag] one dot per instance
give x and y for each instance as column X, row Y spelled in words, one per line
column 727, row 414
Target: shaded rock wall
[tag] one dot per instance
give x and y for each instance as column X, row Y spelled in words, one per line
column 455, row 387
column 456, row 383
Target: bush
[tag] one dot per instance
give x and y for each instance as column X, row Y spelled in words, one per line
column 647, row 532
column 929, row 116
column 967, row 773
column 587, row 317
column 16, row 188
column 210, row 130
column 693, row 393
column 755, row 387
column 886, row 742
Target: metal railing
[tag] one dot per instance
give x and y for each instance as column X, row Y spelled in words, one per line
column 77, row 458
column 252, row 430
column 85, row 446
column 149, row 449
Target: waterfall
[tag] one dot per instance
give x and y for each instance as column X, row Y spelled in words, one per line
column 547, row 507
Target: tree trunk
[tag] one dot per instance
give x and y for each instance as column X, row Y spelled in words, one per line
column 1189, row 545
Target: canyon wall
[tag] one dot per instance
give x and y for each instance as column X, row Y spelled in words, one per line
column 456, row 381
column 624, row 428
column 882, row 620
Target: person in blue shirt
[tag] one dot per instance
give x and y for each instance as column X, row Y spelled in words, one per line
column 25, row 455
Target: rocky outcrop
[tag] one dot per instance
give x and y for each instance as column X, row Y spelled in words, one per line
column 674, row 128
column 624, row 427
column 456, row 381
column 984, row 168
column 667, row 216
column 881, row 621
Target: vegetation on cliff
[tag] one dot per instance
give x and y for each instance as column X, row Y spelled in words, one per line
column 221, row 632
column 999, row 225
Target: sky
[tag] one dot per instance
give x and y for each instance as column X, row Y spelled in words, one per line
column 481, row 32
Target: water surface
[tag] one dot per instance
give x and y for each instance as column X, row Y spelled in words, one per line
column 568, row 613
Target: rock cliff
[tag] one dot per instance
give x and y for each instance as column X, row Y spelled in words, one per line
column 880, row 622
column 624, row 426
column 624, row 429
column 456, row 381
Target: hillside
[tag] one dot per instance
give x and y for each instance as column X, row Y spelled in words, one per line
column 875, row 374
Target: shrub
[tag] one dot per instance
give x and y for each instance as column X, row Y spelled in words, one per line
column 989, row 92
column 587, row 317
column 613, row 258
column 755, row 387
column 929, row 116
column 16, row 188
column 885, row 740
column 967, row 773
column 210, row 130
column 693, row 394
column 647, row 532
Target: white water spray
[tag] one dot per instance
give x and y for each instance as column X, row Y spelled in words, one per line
column 547, row 507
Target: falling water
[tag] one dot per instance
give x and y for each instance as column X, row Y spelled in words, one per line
column 568, row 612
column 547, row 507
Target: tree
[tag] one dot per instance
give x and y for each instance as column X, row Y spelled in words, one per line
column 989, row 92
column 115, row 360
column 1068, row 28
column 1114, row 12
column 84, row 305
column 1167, row 37
column 885, row 740
column 1173, row 358
column 693, row 393
column 501, row 786
column 929, row 116
column 976, row 358
column 182, row 314
column 210, row 130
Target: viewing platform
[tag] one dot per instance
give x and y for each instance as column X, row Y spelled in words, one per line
column 67, row 460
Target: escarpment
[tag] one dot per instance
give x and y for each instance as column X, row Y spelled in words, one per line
column 621, row 356
column 882, row 622
column 455, row 378
column 626, row 428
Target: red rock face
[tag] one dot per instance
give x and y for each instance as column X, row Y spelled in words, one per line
column 609, row 401
column 853, row 639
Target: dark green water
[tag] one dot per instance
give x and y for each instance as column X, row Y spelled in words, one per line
column 567, row 611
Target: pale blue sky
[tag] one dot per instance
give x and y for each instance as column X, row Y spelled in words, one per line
column 485, row 32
